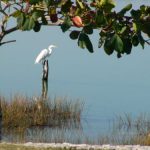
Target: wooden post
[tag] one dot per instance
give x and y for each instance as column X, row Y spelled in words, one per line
column 0, row 120
column 45, row 79
column 45, row 70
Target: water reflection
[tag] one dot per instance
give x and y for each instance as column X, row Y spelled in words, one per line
column 44, row 89
column 54, row 134
column 121, row 132
column 0, row 121
column 43, row 134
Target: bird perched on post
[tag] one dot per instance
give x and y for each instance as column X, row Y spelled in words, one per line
column 44, row 54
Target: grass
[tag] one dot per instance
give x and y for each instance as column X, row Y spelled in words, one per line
column 24, row 115
column 26, row 112
column 138, row 129
column 129, row 130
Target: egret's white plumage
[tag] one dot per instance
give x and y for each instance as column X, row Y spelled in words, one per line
column 44, row 54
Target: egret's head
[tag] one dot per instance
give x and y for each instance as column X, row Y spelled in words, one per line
column 51, row 46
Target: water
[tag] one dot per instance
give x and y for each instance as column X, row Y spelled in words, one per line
column 107, row 85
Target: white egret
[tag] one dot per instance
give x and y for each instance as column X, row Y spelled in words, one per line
column 44, row 54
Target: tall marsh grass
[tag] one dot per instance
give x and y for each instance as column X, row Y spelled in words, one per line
column 50, row 120
column 138, row 127
column 26, row 112
column 130, row 130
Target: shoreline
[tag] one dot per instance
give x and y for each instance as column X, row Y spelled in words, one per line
column 75, row 146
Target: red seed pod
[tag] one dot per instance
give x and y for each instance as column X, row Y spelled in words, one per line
column 77, row 21
column 54, row 18
column 93, row 4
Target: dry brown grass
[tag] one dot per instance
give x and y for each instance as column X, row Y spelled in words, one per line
column 24, row 112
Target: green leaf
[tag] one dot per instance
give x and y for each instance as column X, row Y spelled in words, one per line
column 48, row 2
column 123, row 30
column 20, row 20
column 26, row 24
column 127, row 45
column 141, row 40
column 145, row 26
column 135, row 27
column 66, row 24
column 125, row 9
column 44, row 21
column 143, row 8
column 5, row 1
column 66, row 7
column 118, row 55
column 89, row 45
column 80, row 4
column 136, row 14
column 36, row 15
column 107, row 5
column 31, row 23
column 88, row 29
column 100, row 18
column 84, row 42
column 135, row 40
column 101, row 41
column 33, row 2
column 16, row 13
column 109, row 45
column 81, row 42
column 118, row 43
column 37, row 26
column 74, row 35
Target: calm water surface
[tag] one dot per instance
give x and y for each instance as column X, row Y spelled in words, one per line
column 108, row 86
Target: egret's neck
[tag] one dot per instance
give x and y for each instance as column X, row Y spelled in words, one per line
column 50, row 50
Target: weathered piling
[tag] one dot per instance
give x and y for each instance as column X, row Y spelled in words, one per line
column 45, row 70
column 45, row 79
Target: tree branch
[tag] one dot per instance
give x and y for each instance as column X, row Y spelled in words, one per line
column 11, row 30
column 7, row 42
column 3, row 33
column 147, row 41
column 3, row 12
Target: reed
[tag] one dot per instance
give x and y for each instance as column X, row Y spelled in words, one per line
column 129, row 130
column 141, row 127
column 25, row 112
